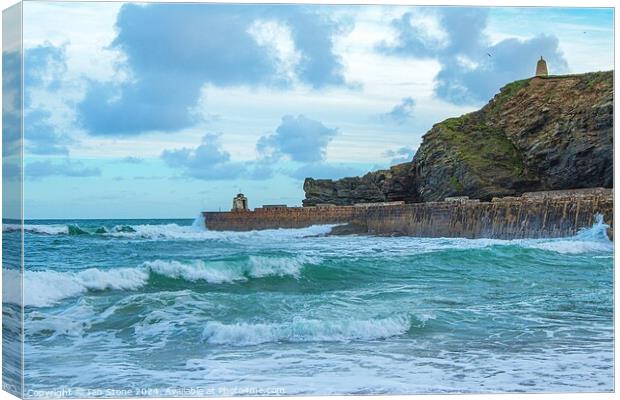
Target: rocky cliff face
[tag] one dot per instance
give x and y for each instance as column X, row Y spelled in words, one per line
column 393, row 184
column 536, row 134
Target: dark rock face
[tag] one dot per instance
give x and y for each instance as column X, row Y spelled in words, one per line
column 564, row 130
column 465, row 157
column 543, row 133
column 393, row 184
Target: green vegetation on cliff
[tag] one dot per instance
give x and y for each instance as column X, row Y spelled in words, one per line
column 476, row 144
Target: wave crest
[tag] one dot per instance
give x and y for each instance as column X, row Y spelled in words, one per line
column 231, row 271
column 38, row 229
column 195, row 271
column 305, row 330
column 169, row 232
column 572, row 246
column 587, row 240
column 46, row 288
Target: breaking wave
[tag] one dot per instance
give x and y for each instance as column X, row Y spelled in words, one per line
column 177, row 232
column 587, row 240
column 169, row 232
column 70, row 322
column 231, row 271
column 38, row 229
column 70, row 229
column 572, row 246
column 46, row 288
column 305, row 330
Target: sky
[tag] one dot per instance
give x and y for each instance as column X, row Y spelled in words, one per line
column 166, row 110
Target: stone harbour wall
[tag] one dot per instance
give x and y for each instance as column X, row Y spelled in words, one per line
column 511, row 218
column 275, row 218
column 548, row 214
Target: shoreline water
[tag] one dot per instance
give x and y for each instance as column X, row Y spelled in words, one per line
column 132, row 278
column 296, row 307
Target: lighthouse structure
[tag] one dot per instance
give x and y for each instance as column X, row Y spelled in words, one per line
column 240, row 203
column 541, row 67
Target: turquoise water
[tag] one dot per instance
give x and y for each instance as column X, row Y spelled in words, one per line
column 154, row 307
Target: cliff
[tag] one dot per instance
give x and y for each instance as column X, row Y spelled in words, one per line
column 542, row 133
column 392, row 184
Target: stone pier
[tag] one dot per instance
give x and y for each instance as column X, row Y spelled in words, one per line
column 533, row 215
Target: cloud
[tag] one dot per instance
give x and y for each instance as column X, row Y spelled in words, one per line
column 461, row 32
column 68, row 168
column 41, row 135
column 313, row 34
column 44, row 69
column 465, row 29
column 132, row 160
column 300, row 138
column 323, row 170
column 510, row 60
column 207, row 161
column 411, row 39
column 11, row 171
column 260, row 169
column 401, row 113
column 472, row 68
column 404, row 154
column 11, row 103
column 172, row 50
column 44, row 66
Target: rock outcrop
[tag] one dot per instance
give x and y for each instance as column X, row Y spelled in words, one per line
column 543, row 133
column 393, row 184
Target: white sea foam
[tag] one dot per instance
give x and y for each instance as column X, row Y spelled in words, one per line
column 119, row 278
column 53, row 326
column 231, row 271
column 199, row 223
column 10, row 227
column 305, row 330
column 588, row 240
column 260, row 266
column 572, row 246
column 39, row 229
column 162, row 231
column 68, row 322
column 194, row 271
column 11, row 286
column 196, row 232
column 46, row 288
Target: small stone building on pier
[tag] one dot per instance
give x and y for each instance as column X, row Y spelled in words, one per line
column 240, row 203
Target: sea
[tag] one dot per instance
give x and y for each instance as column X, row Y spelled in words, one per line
column 125, row 308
